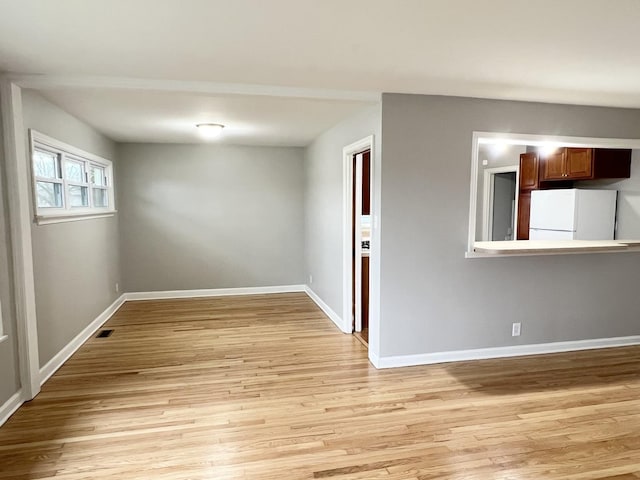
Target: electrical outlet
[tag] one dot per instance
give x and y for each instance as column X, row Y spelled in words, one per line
column 515, row 329
column 310, row 279
column 117, row 288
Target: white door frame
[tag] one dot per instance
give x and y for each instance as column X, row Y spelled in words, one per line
column 487, row 202
column 357, row 239
column 348, row 175
column 18, row 189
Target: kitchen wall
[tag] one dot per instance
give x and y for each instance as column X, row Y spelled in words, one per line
column 207, row 216
column 76, row 264
column 435, row 300
column 9, row 366
column 324, row 201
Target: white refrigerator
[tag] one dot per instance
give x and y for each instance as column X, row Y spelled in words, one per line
column 572, row 214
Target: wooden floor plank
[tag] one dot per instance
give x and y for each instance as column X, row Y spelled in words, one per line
column 265, row 387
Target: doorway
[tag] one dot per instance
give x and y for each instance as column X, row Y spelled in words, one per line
column 500, row 205
column 360, row 243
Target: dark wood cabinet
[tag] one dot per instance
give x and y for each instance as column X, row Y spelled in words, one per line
column 365, row 294
column 528, row 171
column 585, row 164
column 524, row 209
column 529, row 180
column 366, row 183
column 579, row 163
column 554, row 165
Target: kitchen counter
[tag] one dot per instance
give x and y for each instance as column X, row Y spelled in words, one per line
column 542, row 247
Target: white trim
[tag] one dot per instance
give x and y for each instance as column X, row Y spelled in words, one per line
column 564, row 140
column 18, row 183
column 357, row 242
column 502, row 352
column 3, row 338
column 10, row 406
column 347, row 182
column 533, row 140
column 50, row 219
column 552, row 252
column 40, row 82
column 374, row 359
column 329, row 312
column 215, row 292
column 63, row 355
column 488, row 191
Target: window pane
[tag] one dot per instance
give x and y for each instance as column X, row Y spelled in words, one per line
column 100, row 198
column 49, row 195
column 46, row 164
column 78, row 196
column 74, row 171
column 98, row 176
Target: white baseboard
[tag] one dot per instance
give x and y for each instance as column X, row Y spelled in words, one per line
column 335, row 318
column 215, row 292
column 63, row 355
column 375, row 360
column 501, row 352
column 10, row 406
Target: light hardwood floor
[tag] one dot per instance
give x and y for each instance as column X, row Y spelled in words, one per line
column 265, row 387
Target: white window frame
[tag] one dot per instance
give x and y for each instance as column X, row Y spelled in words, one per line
column 67, row 213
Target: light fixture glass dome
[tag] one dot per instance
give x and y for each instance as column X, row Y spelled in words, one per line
column 210, row 130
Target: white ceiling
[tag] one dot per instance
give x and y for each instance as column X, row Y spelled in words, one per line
column 170, row 117
column 568, row 51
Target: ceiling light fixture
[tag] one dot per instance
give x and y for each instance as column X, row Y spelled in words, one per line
column 210, row 130
column 548, row 148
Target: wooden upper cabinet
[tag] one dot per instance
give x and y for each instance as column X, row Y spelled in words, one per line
column 554, row 165
column 585, row 164
column 579, row 163
column 528, row 171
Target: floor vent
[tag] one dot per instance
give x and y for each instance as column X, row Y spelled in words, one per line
column 104, row 333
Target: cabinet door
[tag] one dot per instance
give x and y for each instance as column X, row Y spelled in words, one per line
column 524, row 210
column 579, row 163
column 365, row 293
column 553, row 165
column 528, row 171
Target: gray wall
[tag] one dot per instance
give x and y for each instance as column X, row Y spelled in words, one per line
column 433, row 299
column 76, row 264
column 9, row 367
column 206, row 216
column 323, row 202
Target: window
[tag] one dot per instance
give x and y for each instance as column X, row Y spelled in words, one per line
column 69, row 184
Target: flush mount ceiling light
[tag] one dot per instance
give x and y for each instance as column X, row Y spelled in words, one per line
column 210, row 130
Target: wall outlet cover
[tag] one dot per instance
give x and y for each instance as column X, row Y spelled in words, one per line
column 515, row 329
